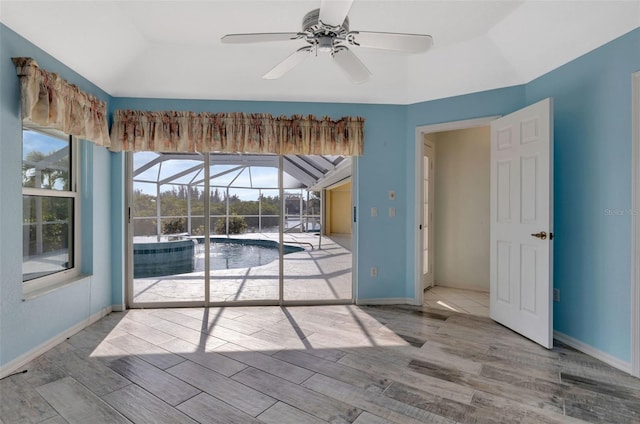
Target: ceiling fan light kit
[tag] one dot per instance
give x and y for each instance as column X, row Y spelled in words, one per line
column 326, row 30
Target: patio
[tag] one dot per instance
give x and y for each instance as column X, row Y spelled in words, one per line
column 319, row 273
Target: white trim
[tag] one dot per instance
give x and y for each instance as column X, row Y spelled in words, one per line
column 343, row 170
column 386, row 301
column 635, row 227
column 32, row 354
column 419, row 153
column 118, row 308
column 48, row 282
column 591, row 351
column 354, row 229
column 74, row 279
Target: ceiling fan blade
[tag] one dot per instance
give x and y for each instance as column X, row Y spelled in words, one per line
column 351, row 65
column 289, row 63
column 407, row 43
column 333, row 12
column 259, row 37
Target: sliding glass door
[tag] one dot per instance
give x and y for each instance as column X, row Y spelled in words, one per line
column 245, row 226
column 236, row 229
column 166, row 219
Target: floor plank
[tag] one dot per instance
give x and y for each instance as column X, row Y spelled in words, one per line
column 358, row 378
column 281, row 413
column 154, row 380
column 21, row 403
column 76, row 404
column 375, row 403
column 208, row 359
column 91, row 373
column 142, row 407
column 206, row 409
column 150, row 352
column 240, row 396
column 395, row 372
column 302, row 398
column 287, row 370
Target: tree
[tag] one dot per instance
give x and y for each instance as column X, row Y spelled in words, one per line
column 237, row 225
column 50, row 173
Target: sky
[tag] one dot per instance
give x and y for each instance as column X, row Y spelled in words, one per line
column 35, row 141
column 254, row 176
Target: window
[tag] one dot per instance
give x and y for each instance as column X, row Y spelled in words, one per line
column 50, row 208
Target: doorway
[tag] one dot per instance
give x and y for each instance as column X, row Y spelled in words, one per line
column 521, row 218
column 457, row 219
column 421, row 133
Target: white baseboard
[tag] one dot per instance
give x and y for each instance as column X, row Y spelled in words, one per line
column 118, row 308
column 592, row 351
column 32, row 354
column 387, row 301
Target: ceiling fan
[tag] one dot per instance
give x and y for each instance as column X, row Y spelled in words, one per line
column 327, row 30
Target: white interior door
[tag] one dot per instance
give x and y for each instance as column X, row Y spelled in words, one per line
column 427, row 213
column 521, row 252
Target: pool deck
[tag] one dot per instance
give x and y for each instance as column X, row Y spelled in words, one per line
column 318, row 273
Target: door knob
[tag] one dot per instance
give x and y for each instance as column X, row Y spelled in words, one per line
column 541, row 235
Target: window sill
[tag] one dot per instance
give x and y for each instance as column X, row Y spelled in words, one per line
column 35, row 293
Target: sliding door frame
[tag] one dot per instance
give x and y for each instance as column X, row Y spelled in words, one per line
column 280, row 301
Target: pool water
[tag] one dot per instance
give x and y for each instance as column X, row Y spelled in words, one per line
column 236, row 255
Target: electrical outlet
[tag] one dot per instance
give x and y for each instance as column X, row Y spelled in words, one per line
column 556, row 295
column 392, row 212
column 374, row 211
column 374, row 271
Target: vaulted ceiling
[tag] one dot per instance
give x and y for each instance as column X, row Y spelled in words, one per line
column 172, row 49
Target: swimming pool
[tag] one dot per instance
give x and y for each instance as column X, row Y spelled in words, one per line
column 229, row 253
column 184, row 256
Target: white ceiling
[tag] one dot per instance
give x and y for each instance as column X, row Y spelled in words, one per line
column 172, row 49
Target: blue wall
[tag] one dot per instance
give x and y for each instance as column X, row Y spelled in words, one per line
column 379, row 170
column 592, row 184
column 24, row 325
column 592, row 98
column 592, row 129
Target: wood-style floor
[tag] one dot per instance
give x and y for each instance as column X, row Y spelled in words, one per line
column 336, row 364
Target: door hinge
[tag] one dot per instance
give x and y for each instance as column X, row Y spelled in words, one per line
column 354, row 214
column 129, row 217
column 420, row 227
column 550, row 236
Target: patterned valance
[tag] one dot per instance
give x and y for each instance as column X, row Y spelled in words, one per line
column 171, row 131
column 51, row 102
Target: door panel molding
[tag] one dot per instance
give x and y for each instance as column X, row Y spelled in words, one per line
column 521, row 209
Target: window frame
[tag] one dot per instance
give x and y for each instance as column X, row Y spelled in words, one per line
column 51, row 281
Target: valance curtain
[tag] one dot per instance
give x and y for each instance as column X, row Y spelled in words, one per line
column 51, row 102
column 171, row 131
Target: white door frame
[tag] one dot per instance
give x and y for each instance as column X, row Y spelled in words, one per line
column 635, row 227
column 430, row 202
column 418, row 192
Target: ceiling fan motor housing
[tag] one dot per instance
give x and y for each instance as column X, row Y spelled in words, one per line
column 311, row 25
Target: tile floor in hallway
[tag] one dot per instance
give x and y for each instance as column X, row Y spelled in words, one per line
column 457, row 300
column 315, row 364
